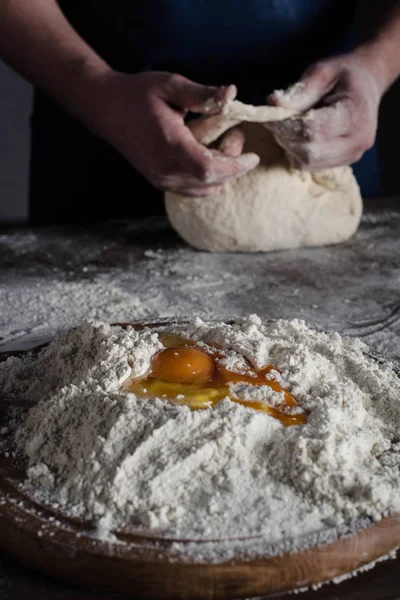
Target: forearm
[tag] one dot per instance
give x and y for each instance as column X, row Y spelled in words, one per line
column 38, row 41
column 379, row 26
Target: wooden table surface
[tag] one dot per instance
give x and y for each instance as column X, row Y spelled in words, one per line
column 353, row 288
column 17, row 582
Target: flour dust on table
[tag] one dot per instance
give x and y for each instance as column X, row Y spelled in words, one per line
column 99, row 452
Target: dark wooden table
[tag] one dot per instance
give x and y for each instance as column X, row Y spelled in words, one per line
column 353, row 288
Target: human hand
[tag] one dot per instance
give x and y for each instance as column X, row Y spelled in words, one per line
column 344, row 94
column 142, row 116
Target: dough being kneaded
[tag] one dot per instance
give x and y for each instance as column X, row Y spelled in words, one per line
column 272, row 207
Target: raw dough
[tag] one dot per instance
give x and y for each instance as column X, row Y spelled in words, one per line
column 274, row 206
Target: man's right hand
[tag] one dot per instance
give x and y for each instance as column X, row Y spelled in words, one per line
column 142, row 116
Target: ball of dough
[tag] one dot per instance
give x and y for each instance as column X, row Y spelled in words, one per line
column 271, row 208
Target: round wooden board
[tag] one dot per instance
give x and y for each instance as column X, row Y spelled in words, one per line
column 144, row 566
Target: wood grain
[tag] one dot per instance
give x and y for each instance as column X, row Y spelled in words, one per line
column 147, row 571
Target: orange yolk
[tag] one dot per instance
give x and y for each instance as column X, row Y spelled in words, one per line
column 186, row 374
column 182, row 365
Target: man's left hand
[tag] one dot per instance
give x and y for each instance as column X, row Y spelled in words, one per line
column 344, row 94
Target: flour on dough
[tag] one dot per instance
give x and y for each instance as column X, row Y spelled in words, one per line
column 274, row 206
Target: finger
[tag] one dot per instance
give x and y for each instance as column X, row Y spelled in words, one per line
column 328, row 164
column 332, row 121
column 232, row 142
column 293, row 130
column 205, row 165
column 188, row 95
column 312, row 157
column 192, row 158
column 183, row 181
column 323, row 124
column 315, row 83
column 196, row 192
column 225, row 167
column 322, row 165
column 217, row 169
column 205, row 129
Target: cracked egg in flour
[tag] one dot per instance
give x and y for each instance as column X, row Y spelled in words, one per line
column 194, row 375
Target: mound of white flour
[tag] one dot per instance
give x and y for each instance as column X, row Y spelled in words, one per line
column 102, row 454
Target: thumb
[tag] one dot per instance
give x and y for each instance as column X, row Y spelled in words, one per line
column 316, row 82
column 204, row 99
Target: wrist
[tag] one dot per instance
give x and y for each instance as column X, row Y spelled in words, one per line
column 102, row 105
column 381, row 59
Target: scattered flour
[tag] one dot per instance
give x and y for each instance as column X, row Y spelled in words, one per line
column 101, row 454
column 39, row 308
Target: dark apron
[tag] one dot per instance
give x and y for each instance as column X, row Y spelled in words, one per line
column 259, row 45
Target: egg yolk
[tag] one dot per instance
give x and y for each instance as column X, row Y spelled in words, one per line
column 185, row 374
column 182, row 365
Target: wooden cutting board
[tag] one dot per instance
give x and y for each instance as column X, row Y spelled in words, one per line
column 145, row 566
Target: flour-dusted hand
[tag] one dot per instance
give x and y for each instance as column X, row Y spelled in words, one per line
column 344, row 94
column 142, row 116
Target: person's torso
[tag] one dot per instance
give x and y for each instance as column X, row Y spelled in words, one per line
column 256, row 44
column 259, row 45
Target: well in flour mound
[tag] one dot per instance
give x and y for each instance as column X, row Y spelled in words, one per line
column 272, row 207
column 102, row 454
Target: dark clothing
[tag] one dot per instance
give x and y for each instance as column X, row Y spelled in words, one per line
column 256, row 44
column 77, row 177
column 259, row 45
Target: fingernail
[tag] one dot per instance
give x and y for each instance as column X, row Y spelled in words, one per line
column 225, row 94
column 248, row 161
column 231, row 92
